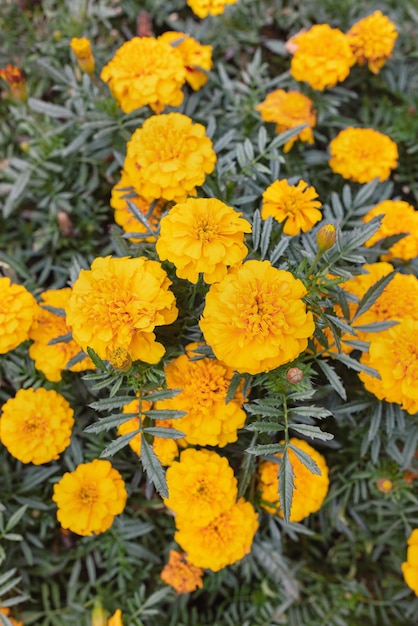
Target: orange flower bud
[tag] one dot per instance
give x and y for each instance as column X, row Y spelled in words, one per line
column 326, row 237
column 385, row 485
column 82, row 50
column 15, row 78
column 294, row 375
column 99, row 614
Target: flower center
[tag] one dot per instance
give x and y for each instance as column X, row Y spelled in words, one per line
column 88, row 494
column 35, row 425
column 204, row 231
column 260, row 314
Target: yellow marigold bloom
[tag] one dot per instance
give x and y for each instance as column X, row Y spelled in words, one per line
column 255, row 319
column 322, row 58
column 15, row 79
column 6, row 611
column 204, row 384
column 398, row 217
column 115, row 619
column 125, row 218
column 295, row 205
column 202, row 236
column 52, row 359
column 310, row 489
column 118, row 303
column 84, row 55
column 168, row 157
column 394, row 354
column 36, row 425
column 224, row 540
column 288, row 109
column 89, row 497
column 195, row 57
column 372, row 40
column 145, row 71
column 362, row 154
column 180, row 574
column 201, row 485
column 203, row 8
column 17, row 311
column 410, row 567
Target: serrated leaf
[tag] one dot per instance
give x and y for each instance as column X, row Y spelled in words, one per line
column 310, row 411
column 286, row 485
column 333, row 378
column 314, row 432
column 101, row 365
column 265, row 236
column 107, row 404
column 162, row 394
column 164, row 433
column 256, row 228
column 106, row 423
column 61, row 339
column 262, row 408
column 118, row 444
column 372, row 294
column 233, row 386
column 264, row 427
column 279, row 249
column 153, row 468
column 376, row 327
column 164, row 414
column 306, row 459
column 265, row 449
column 355, row 365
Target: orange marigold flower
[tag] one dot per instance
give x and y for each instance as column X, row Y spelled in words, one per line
column 224, row 540
column 203, row 8
column 295, row 205
column 83, row 53
column 410, row 566
column 89, row 497
column 122, row 193
column 17, row 311
column 195, row 57
column 202, row 235
column 36, row 425
column 394, row 354
column 6, row 611
column 201, row 485
column 115, row 619
column 362, row 154
column 310, row 489
column 255, row 319
column 15, row 79
column 322, row 58
column 118, row 303
column 168, row 157
column 288, row 109
column 180, row 574
column 372, row 40
column 398, row 217
column 145, row 71
column 204, row 384
column 52, row 359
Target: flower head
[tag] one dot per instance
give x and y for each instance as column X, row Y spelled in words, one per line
column 362, row 154
column 410, row 566
column 202, row 235
column 83, row 53
column 195, row 57
column 52, row 358
column 288, row 109
column 15, row 79
column 398, row 217
column 310, row 489
column 89, row 497
column 118, row 303
column 322, row 58
column 326, row 237
column 168, row 157
column 372, row 40
column 115, row 619
column 17, row 311
column 145, row 71
column 36, row 425
column 295, row 205
column 180, row 574
column 255, row 319
column 203, row 8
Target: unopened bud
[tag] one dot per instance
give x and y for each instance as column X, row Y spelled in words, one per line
column 384, row 485
column 120, row 359
column 98, row 615
column 82, row 50
column 15, row 79
column 294, row 375
column 326, row 237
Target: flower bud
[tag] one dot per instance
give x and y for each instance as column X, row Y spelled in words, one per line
column 99, row 615
column 294, row 375
column 385, row 485
column 326, row 237
column 120, row 359
column 15, row 79
column 82, row 50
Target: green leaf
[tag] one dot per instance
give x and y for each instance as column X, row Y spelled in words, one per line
column 164, row 433
column 355, row 365
column 310, row 411
column 16, row 191
column 314, row 432
column 164, row 414
column 106, row 423
column 306, row 459
column 107, row 404
column 233, row 386
column 61, row 339
column 162, row 394
column 264, row 427
column 118, row 444
column 52, row 110
column 265, row 449
column 15, row 518
column 333, row 378
column 286, row 485
column 153, row 468
column 96, row 359
column 256, row 228
column 259, row 407
column 265, row 237
column 373, row 293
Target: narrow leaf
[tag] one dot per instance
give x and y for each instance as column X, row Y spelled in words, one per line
column 164, row 433
column 167, row 414
column 286, row 485
column 153, row 468
column 265, row 449
column 333, row 378
column 314, row 432
column 372, row 294
column 306, row 459
column 118, row 444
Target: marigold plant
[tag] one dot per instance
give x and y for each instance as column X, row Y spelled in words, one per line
column 296, row 206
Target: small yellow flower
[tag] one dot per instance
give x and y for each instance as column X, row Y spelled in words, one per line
column 398, row 217
column 83, row 53
column 180, row 574
column 295, row 205
column 115, row 619
column 17, row 311
column 410, row 567
column 195, row 57
column 372, row 40
column 362, row 154
column 288, row 109
column 15, row 79
column 203, row 8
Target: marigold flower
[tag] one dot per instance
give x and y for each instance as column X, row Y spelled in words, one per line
column 322, row 58
column 17, row 311
column 255, row 319
column 52, row 359
column 180, row 574
column 393, row 353
column 15, row 79
column 288, row 109
column 168, row 157
column 372, row 40
column 89, row 497
column 224, row 540
column 115, row 619
column 36, row 425
column 204, row 385
column 201, row 485
column 118, row 303
column 83, row 53
column 398, row 217
column 195, row 57
column 202, row 235
column 362, row 154
column 410, row 566
column 203, row 8
column 310, row 489
column 295, row 205
column 145, row 71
